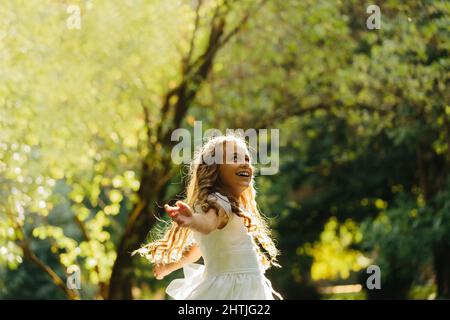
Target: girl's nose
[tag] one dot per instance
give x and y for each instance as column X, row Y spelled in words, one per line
column 247, row 165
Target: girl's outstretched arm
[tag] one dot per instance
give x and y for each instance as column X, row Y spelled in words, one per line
column 192, row 255
column 203, row 223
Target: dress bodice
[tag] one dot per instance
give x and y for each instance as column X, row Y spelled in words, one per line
column 230, row 249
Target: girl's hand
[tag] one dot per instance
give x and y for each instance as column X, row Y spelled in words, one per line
column 181, row 213
column 161, row 270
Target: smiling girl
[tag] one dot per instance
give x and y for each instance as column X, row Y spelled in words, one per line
column 220, row 222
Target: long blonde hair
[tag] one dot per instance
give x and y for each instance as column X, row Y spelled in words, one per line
column 202, row 182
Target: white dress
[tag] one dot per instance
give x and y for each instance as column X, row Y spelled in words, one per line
column 232, row 269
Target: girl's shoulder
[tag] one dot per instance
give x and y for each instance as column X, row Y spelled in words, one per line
column 222, row 201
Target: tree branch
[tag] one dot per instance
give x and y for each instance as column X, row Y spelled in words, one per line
column 243, row 21
column 187, row 60
column 295, row 109
column 28, row 253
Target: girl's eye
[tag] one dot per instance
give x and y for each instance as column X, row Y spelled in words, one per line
column 235, row 158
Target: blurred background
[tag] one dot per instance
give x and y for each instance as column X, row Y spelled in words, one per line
column 90, row 92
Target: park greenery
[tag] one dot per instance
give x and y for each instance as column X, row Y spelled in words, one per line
column 86, row 116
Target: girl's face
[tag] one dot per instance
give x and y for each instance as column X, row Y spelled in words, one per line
column 236, row 172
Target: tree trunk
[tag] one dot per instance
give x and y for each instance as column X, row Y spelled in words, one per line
column 120, row 286
column 139, row 223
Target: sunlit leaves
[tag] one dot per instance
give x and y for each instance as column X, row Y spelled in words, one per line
column 69, row 247
column 72, row 133
column 99, row 259
column 10, row 254
column 333, row 256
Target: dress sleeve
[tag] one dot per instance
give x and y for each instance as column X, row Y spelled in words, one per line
column 222, row 201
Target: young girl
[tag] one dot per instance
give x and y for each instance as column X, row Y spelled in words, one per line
column 219, row 220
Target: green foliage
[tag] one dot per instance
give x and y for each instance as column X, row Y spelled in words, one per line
column 363, row 117
column 400, row 238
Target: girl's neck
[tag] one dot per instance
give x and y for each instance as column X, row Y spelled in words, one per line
column 227, row 192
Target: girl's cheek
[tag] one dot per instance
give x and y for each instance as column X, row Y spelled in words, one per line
column 222, row 172
column 227, row 172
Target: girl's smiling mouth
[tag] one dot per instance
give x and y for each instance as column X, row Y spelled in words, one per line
column 243, row 173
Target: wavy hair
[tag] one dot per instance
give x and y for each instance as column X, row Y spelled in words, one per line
column 202, row 182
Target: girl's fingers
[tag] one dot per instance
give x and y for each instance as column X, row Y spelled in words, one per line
column 155, row 271
column 177, row 213
column 184, row 208
column 178, row 219
column 175, row 216
column 182, row 205
column 180, row 208
column 171, row 211
column 169, row 208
